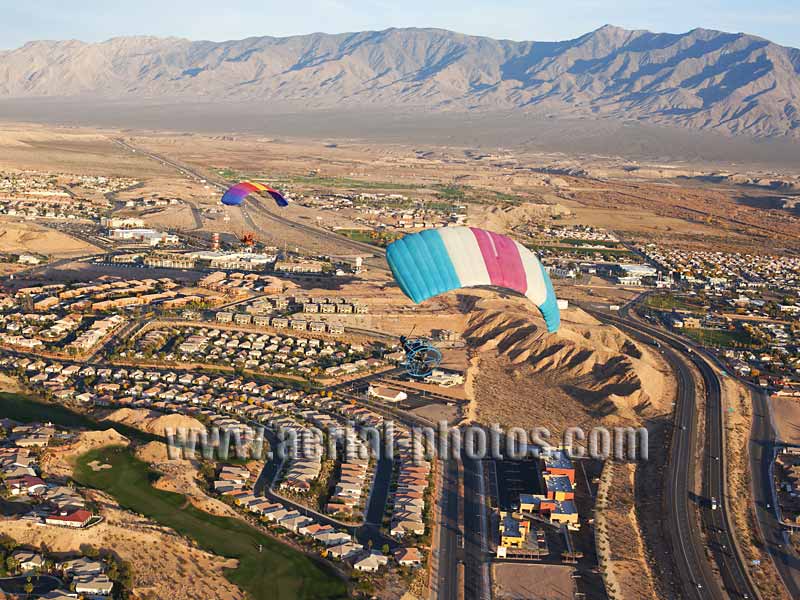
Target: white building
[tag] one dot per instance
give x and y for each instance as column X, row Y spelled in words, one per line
column 146, row 236
column 387, row 394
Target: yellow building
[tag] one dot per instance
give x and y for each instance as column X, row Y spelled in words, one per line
column 691, row 322
column 559, row 487
column 565, row 512
column 535, row 503
column 512, row 531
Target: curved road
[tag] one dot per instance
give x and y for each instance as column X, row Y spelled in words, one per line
column 762, row 449
column 697, row 579
column 259, row 208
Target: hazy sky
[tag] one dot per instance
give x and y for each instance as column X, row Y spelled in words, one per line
column 95, row 20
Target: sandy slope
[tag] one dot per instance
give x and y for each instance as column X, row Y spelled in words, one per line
column 500, row 218
column 153, row 422
column 180, row 475
column 165, row 565
column 28, row 237
column 585, row 374
column 787, row 418
column 57, row 460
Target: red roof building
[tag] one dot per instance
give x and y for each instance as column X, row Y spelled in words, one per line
column 77, row 518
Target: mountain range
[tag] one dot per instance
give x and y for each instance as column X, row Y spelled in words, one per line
column 710, row 80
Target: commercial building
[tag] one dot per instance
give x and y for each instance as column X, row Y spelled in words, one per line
column 299, row 266
column 145, row 236
column 122, row 222
column 558, row 462
column 513, row 531
column 172, row 260
column 559, row 487
column 233, row 261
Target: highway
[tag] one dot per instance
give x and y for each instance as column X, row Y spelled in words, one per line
column 762, row 449
column 696, row 579
column 222, row 186
column 717, row 523
column 689, row 548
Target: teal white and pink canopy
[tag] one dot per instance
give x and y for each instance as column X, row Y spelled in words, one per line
column 435, row 261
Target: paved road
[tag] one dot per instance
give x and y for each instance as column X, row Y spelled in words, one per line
column 476, row 532
column 262, row 211
column 762, row 447
column 696, row 579
column 449, row 531
column 762, row 456
column 716, row 523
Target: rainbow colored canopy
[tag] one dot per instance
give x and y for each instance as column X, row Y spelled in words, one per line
column 237, row 193
column 435, row 261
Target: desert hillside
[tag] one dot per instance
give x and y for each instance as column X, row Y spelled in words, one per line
column 165, row 565
column 154, row 422
column 585, row 375
column 26, row 237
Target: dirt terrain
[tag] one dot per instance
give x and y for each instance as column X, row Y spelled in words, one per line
column 67, row 150
column 683, row 204
column 542, row 582
column 27, row 237
column 58, row 460
column 165, row 564
column 154, row 422
column 587, row 375
column 180, row 475
column 786, row 413
column 647, row 202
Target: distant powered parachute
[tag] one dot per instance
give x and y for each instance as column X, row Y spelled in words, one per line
column 237, row 193
column 435, row 261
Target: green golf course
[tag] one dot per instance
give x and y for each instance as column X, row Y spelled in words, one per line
column 277, row 572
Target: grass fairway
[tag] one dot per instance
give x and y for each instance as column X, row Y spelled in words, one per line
column 277, row 572
column 383, row 240
column 28, row 409
column 721, row 338
column 672, row 302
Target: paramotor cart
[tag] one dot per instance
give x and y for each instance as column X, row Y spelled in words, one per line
column 422, row 357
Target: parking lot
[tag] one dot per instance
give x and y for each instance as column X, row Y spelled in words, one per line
column 515, row 477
